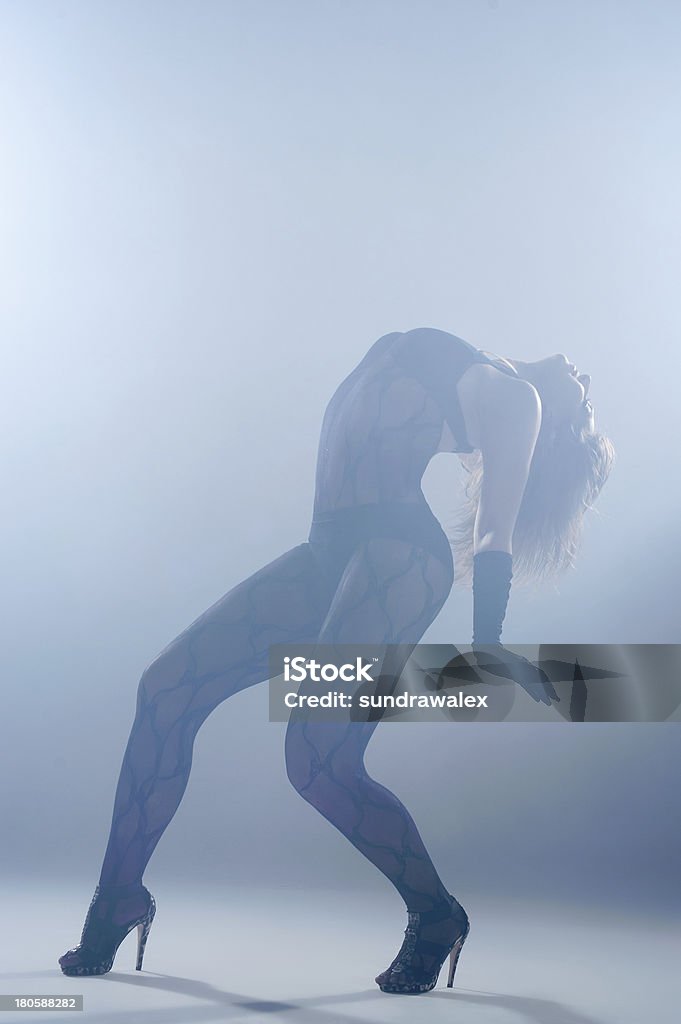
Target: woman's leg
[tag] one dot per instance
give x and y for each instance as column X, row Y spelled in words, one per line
column 389, row 594
column 222, row 652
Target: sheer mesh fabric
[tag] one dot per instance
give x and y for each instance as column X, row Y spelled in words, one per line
column 225, row 650
column 380, row 431
column 389, row 592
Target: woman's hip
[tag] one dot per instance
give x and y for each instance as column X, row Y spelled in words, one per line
column 335, row 534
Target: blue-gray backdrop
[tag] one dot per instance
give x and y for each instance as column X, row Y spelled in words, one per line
column 209, row 211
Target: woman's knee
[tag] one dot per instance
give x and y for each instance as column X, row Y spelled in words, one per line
column 165, row 673
column 312, row 768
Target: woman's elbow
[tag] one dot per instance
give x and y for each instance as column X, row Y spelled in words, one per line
column 493, row 538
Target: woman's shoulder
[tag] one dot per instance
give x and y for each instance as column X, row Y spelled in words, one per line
column 504, row 398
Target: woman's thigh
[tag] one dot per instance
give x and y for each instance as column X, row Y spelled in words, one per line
column 390, row 592
column 226, row 649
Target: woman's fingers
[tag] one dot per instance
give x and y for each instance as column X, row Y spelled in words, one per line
column 530, row 677
column 550, row 689
column 538, row 684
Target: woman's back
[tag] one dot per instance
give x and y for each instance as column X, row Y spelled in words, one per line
column 385, row 421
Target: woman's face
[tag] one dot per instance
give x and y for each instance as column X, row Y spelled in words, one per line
column 564, row 390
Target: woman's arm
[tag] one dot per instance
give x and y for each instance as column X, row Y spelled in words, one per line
column 510, row 418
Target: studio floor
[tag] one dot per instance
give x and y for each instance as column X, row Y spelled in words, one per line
column 255, row 955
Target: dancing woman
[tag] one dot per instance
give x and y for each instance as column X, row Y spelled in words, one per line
column 376, row 569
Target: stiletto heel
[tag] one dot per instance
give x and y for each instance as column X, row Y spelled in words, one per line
column 454, row 956
column 430, row 937
column 143, row 929
column 102, row 936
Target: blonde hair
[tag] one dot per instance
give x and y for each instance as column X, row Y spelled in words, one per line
column 568, row 470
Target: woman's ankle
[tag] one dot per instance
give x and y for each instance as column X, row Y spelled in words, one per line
column 119, row 891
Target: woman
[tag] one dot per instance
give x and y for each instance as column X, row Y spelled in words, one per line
column 376, row 569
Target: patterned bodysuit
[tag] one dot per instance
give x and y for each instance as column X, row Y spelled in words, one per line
column 376, row 569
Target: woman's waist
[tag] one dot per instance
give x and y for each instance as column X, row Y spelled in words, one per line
column 405, row 511
column 336, row 532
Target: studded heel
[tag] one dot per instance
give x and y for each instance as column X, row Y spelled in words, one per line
column 429, row 938
column 102, row 935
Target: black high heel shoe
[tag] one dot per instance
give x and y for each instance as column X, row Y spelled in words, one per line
column 101, row 937
column 417, row 966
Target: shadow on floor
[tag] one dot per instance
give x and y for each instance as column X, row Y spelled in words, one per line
column 312, row 1010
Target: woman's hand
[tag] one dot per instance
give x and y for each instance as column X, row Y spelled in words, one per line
column 499, row 661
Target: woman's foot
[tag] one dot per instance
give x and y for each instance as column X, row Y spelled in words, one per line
column 429, row 938
column 113, row 912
